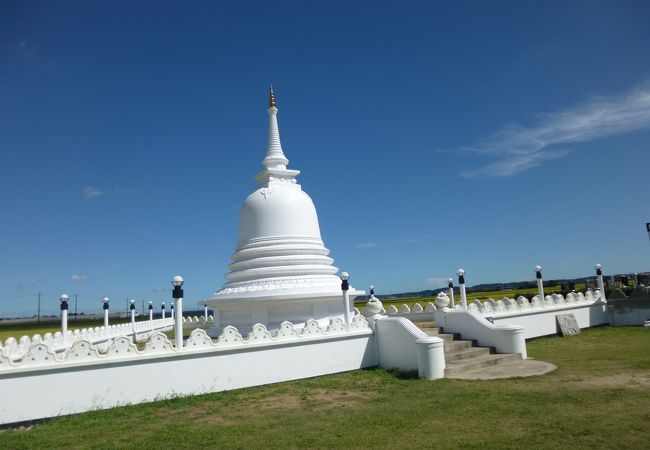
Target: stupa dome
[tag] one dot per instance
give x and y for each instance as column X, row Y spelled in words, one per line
column 280, row 269
column 279, row 236
column 278, row 210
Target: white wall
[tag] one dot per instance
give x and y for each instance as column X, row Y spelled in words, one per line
column 44, row 383
column 34, row 393
column 542, row 322
column 402, row 345
column 537, row 317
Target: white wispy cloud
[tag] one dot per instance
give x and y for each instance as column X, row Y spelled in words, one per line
column 92, row 192
column 410, row 240
column 79, row 277
column 519, row 148
column 366, row 245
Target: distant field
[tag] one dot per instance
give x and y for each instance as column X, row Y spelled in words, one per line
column 599, row 397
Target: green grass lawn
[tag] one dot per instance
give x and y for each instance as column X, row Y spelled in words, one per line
column 599, row 397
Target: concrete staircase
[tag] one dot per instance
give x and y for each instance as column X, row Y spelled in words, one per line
column 464, row 358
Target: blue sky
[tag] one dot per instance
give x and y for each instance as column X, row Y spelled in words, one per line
column 431, row 135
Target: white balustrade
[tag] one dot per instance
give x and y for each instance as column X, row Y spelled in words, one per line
column 116, row 341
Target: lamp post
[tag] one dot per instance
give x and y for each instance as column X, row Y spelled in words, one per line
column 451, row 292
column 162, row 309
column 205, row 312
column 105, row 301
column 461, row 284
column 177, row 293
column 150, row 310
column 346, row 298
column 540, row 283
column 64, row 315
column 132, row 307
column 599, row 280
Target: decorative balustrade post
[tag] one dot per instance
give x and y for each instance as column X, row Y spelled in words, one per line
column 162, row 310
column 64, row 316
column 105, row 301
column 599, row 280
column 133, row 319
column 461, row 284
column 346, row 298
column 451, row 293
column 150, row 311
column 540, row 283
column 177, row 293
column 205, row 312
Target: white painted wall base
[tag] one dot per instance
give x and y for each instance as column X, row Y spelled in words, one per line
column 44, row 384
column 74, row 388
column 542, row 322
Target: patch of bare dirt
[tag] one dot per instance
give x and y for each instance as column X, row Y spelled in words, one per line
column 319, row 399
column 270, row 402
column 622, row 380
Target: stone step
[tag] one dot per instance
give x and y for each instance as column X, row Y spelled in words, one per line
column 464, row 366
column 439, row 332
column 466, row 361
column 506, row 369
column 454, row 346
column 466, row 353
column 431, row 331
column 447, row 337
column 444, row 336
column 424, row 324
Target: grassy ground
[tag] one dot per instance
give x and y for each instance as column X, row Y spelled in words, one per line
column 598, row 398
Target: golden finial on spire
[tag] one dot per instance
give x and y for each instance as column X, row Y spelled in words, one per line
column 271, row 97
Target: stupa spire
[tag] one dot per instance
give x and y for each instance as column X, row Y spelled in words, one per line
column 274, row 154
column 275, row 162
column 271, row 97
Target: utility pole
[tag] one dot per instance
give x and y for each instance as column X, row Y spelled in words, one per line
column 75, row 307
column 38, row 314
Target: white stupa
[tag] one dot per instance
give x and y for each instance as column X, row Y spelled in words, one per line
column 280, row 269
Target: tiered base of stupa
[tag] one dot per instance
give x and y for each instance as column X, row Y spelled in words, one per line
column 275, row 300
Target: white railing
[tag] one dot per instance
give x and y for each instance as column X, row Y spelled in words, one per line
column 510, row 307
column 45, row 353
column 13, row 349
column 506, row 306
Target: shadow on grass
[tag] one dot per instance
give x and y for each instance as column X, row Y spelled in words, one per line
column 395, row 373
